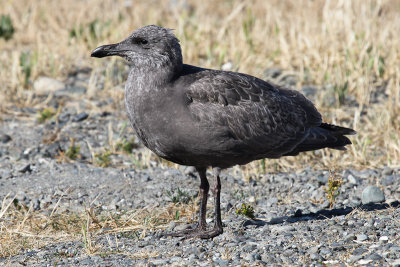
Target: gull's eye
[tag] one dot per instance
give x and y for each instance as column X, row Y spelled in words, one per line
column 140, row 41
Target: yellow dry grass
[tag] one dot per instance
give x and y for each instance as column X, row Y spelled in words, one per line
column 22, row 228
column 351, row 48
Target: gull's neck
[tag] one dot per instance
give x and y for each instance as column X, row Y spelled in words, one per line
column 154, row 76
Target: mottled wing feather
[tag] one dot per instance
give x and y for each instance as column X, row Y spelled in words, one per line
column 262, row 116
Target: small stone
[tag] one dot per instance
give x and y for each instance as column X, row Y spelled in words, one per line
column 36, row 204
column 396, row 263
column 249, row 247
column 325, row 205
column 388, row 180
column 250, row 257
column 316, row 257
column 161, row 262
column 355, row 258
column 5, row 174
column 313, row 250
column 220, row 262
column 322, row 179
column 257, row 256
column 298, row 213
column 352, row 179
column 272, row 201
column 46, row 85
column 26, row 168
column 4, row 138
column 372, row 194
column 362, row 237
column 80, row 117
column 374, row 257
column 387, row 171
column 52, row 150
column 325, row 251
column 359, row 251
column 175, row 259
column 182, row 227
column 227, row 66
column 190, row 171
column 384, row 239
column 76, row 90
column 349, row 237
column 364, row 262
column 171, row 226
column 355, row 201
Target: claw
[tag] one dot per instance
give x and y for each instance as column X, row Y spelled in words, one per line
column 196, row 233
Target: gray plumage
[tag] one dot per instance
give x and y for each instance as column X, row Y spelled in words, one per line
column 202, row 117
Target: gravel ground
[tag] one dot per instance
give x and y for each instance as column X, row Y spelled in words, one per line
column 294, row 224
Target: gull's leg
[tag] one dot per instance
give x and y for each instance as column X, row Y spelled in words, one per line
column 217, row 230
column 202, row 225
column 204, row 188
column 217, row 200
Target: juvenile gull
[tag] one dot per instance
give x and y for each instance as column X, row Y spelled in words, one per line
column 211, row 118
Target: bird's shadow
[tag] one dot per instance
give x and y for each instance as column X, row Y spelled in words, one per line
column 321, row 214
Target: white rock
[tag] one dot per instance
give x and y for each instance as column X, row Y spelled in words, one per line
column 227, row 66
column 252, row 199
column 46, row 85
column 396, row 263
column 384, row 239
column 364, row 262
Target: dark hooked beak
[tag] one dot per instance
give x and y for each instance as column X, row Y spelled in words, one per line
column 109, row 50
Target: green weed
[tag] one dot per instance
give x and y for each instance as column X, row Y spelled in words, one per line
column 6, row 27
column 73, row 150
column 103, row 159
column 247, row 211
column 27, row 61
column 332, row 190
column 340, row 92
column 45, row 114
column 126, row 146
column 179, row 196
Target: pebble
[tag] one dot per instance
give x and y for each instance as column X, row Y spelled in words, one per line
column 384, row 239
column 374, row 257
column 4, row 138
column 45, row 85
column 372, row 194
column 316, row 257
column 80, row 117
column 352, row 179
column 362, row 237
column 387, row 171
column 272, row 201
column 388, row 180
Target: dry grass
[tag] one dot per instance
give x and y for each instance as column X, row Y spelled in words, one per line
column 22, row 228
column 350, row 48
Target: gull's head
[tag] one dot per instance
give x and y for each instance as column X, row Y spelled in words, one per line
column 149, row 46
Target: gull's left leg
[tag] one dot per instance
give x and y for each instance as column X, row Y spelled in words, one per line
column 217, row 230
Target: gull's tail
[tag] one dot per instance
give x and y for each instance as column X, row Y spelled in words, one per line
column 325, row 135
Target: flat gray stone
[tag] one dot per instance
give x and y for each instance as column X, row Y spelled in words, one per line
column 372, row 194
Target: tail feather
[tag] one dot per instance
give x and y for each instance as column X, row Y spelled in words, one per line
column 324, row 136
